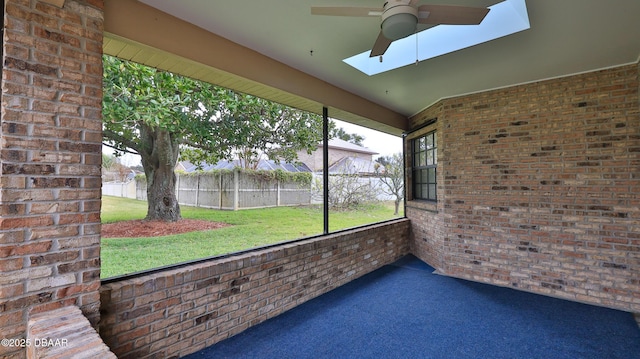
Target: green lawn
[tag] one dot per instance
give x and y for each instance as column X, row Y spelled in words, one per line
column 249, row 229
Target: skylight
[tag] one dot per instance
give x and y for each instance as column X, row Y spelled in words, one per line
column 505, row 18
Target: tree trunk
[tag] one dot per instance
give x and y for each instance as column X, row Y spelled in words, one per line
column 161, row 195
column 159, row 160
column 397, row 203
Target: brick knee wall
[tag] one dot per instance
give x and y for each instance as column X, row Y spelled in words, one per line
column 539, row 188
column 179, row 311
column 64, row 333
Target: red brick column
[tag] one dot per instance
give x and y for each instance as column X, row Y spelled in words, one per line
column 50, row 157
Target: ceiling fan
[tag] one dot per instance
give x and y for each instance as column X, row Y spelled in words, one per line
column 400, row 18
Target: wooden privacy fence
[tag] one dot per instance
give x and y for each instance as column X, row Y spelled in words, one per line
column 234, row 190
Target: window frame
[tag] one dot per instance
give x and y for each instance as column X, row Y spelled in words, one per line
column 424, row 163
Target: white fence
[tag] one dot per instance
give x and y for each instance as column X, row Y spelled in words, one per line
column 236, row 190
column 119, row 189
column 233, row 190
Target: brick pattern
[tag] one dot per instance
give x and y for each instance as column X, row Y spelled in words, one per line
column 539, row 188
column 50, row 161
column 64, row 333
column 177, row 312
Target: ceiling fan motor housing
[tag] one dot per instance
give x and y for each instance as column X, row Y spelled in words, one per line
column 398, row 20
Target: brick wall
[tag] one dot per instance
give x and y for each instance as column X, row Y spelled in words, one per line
column 50, row 162
column 66, row 333
column 179, row 311
column 539, row 188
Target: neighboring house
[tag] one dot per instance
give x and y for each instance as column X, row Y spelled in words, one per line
column 344, row 157
column 355, row 165
column 121, row 174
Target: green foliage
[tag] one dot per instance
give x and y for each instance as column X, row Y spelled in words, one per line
column 259, row 127
column 200, row 173
column 301, row 178
column 107, row 161
column 207, row 122
column 163, row 116
column 340, row 133
column 139, row 100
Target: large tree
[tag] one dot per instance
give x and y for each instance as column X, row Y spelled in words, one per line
column 162, row 116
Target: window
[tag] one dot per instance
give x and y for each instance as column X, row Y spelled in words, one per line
column 425, row 159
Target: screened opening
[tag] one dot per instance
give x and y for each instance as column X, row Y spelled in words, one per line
column 366, row 176
column 245, row 173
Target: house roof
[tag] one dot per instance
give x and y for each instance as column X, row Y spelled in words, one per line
column 340, row 144
column 264, row 165
column 353, row 165
column 277, row 50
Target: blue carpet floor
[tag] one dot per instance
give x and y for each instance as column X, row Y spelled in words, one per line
column 404, row 311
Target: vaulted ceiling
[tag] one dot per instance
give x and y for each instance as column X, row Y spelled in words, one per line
column 276, row 49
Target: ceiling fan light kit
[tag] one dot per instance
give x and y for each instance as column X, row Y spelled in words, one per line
column 399, row 21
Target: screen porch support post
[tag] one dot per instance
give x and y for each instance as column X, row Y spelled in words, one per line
column 404, row 172
column 325, row 168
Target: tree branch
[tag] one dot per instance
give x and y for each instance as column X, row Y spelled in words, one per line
column 120, row 149
column 118, row 138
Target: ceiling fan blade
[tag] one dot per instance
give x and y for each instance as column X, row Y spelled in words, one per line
column 451, row 14
column 346, row 11
column 381, row 45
